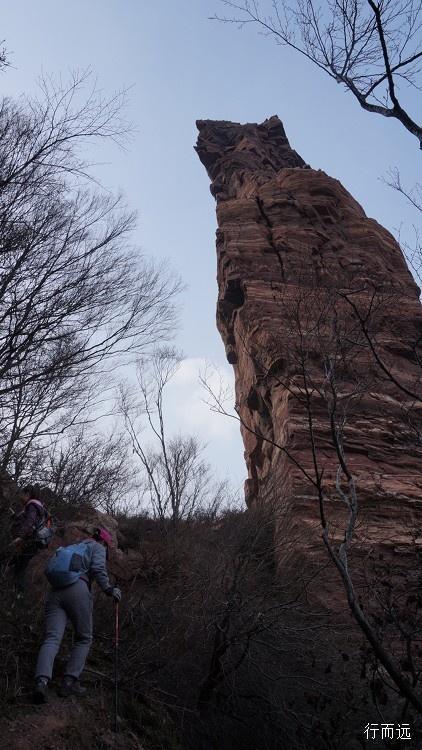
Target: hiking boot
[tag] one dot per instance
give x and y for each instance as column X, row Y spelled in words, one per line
column 41, row 689
column 70, row 686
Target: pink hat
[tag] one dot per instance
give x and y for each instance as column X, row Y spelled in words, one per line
column 102, row 535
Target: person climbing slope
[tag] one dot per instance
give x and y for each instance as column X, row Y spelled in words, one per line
column 25, row 542
column 71, row 572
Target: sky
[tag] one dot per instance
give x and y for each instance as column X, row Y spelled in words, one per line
column 180, row 66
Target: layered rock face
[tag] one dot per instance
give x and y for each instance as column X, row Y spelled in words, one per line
column 322, row 323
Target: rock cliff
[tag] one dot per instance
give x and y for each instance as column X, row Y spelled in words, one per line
column 322, row 323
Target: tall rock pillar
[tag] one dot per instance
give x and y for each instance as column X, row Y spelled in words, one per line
column 322, row 323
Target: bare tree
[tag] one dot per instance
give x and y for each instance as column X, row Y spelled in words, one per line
column 374, row 50
column 371, row 48
column 74, row 295
column 413, row 196
column 177, row 478
column 4, row 55
column 33, row 413
column 86, row 469
column 328, row 370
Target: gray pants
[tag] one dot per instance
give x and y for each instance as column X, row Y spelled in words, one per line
column 73, row 603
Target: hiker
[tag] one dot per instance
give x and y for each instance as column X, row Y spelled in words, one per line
column 71, row 572
column 25, row 543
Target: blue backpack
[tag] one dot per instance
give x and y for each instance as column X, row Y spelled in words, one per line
column 68, row 564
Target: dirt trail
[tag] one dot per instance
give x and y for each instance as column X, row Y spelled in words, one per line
column 65, row 724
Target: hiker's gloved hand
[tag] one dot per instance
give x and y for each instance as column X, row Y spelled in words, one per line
column 115, row 592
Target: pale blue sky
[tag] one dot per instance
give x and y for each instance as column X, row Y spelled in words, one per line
column 184, row 67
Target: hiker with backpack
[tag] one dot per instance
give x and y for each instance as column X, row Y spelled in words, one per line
column 71, row 572
column 31, row 534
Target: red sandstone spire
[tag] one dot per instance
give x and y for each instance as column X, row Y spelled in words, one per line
column 300, row 270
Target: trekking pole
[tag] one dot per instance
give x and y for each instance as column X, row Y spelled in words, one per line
column 116, row 661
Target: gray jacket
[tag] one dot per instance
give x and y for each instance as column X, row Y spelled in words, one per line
column 97, row 570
